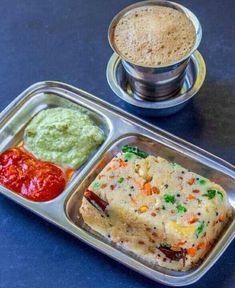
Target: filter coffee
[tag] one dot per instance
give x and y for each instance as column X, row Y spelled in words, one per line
column 154, row 36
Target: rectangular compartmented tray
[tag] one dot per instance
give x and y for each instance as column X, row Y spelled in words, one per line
column 120, row 128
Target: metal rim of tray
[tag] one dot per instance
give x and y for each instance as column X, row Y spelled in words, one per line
column 200, row 73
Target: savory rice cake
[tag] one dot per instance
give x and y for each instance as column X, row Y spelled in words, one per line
column 159, row 210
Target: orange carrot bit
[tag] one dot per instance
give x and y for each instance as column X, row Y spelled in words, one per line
column 190, row 197
column 122, row 163
column 180, row 243
column 191, row 251
column 191, row 181
column 222, row 217
column 201, row 245
column 192, row 219
column 147, row 189
column 155, row 190
column 69, row 173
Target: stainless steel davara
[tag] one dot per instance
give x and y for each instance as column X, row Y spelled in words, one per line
column 161, row 82
column 119, row 128
column 194, row 78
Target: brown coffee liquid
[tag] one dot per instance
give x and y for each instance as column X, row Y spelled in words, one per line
column 154, row 35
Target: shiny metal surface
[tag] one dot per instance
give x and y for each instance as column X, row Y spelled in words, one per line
column 120, row 128
column 154, row 83
column 119, row 83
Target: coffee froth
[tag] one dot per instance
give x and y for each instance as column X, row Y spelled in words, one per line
column 154, row 36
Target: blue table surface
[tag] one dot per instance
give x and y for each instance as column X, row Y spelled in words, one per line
column 66, row 40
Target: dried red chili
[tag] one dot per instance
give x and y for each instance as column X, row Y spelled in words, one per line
column 174, row 255
column 95, row 200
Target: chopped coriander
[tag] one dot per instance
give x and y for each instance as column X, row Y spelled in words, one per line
column 134, row 150
column 169, row 198
column 128, row 156
column 202, row 181
column 120, row 180
column 96, row 185
column 212, row 193
column 220, row 194
column 181, row 209
column 200, row 228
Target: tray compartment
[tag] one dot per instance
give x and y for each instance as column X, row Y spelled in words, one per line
column 12, row 130
column 153, row 147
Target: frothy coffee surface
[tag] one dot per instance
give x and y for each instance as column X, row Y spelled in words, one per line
column 154, row 35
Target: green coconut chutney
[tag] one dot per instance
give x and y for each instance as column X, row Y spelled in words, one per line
column 63, row 136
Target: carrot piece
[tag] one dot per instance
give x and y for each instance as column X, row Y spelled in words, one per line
column 69, row 173
column 222, row 217
column 191, row 181
column 155, row 190
column 192, row 219
column 122, row 163
column 190, row 197
column 180, row 243
column 201, row 245
column 147, row 189
column 191, row 251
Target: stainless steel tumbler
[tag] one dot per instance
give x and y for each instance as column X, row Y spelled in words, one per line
column 157, row 82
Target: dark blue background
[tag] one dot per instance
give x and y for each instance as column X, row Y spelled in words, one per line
column 66, row 40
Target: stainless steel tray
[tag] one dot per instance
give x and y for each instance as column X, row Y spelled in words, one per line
column 119, row 128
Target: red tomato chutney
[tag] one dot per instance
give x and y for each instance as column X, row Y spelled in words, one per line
column 29, row 177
